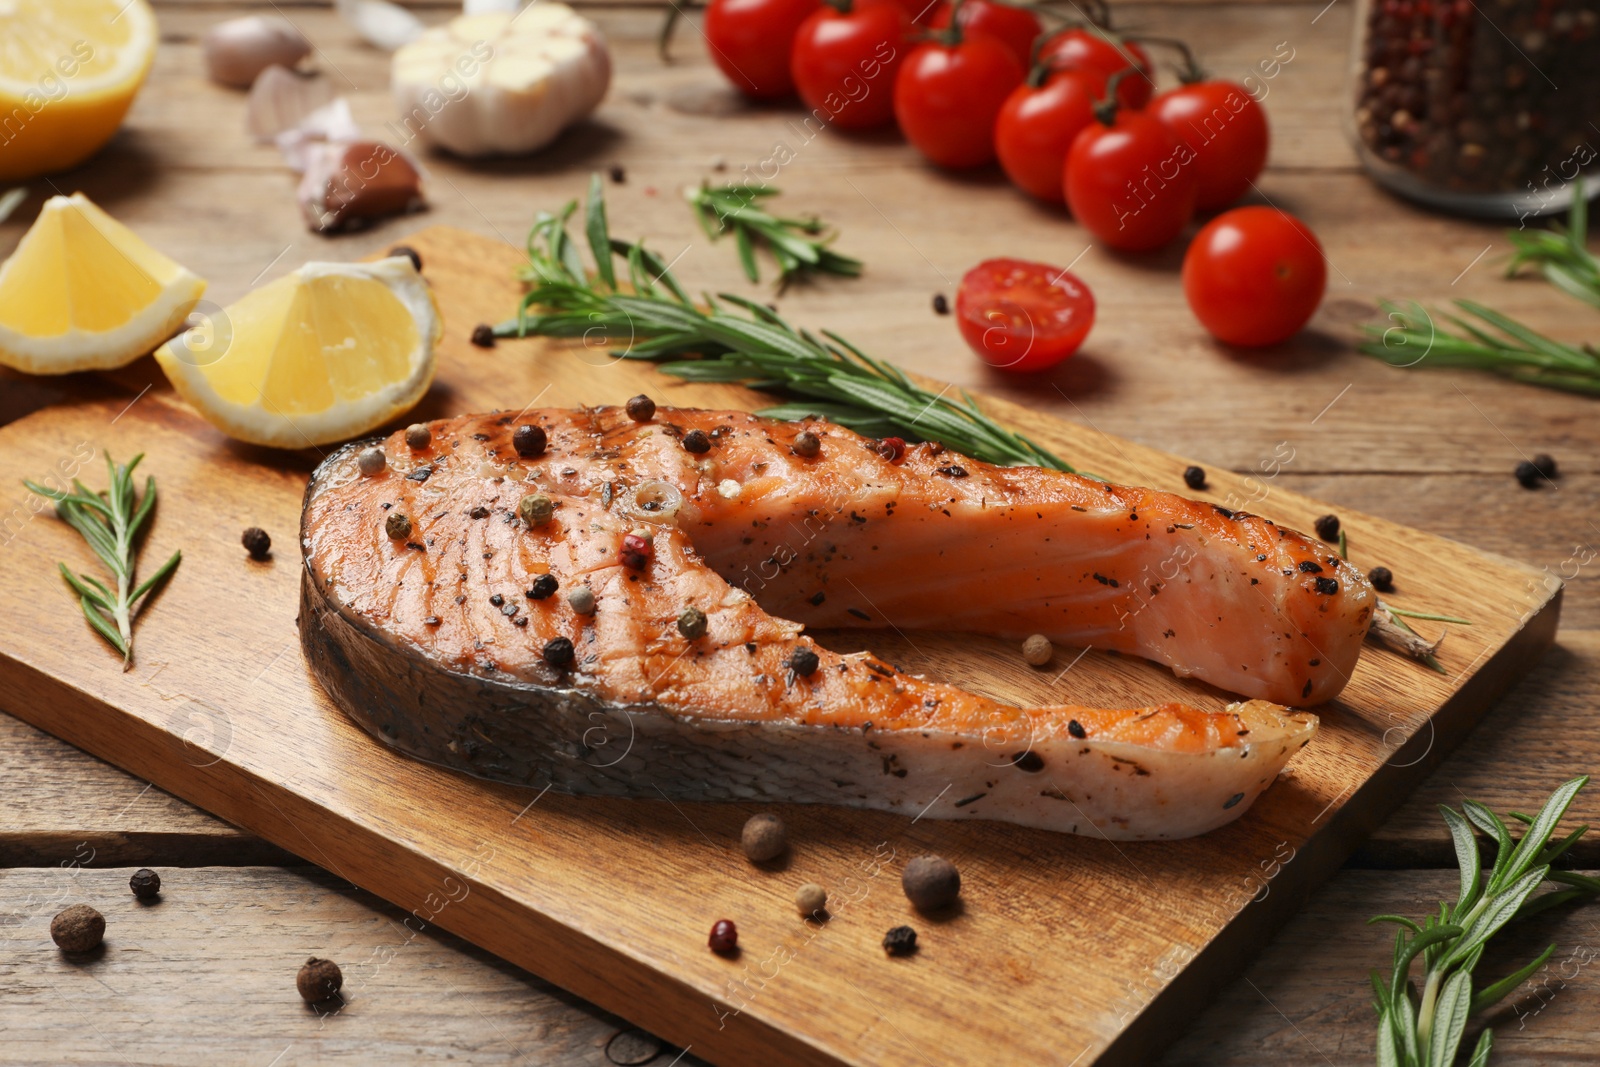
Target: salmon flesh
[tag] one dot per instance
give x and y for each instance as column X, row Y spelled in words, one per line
column 606, row 606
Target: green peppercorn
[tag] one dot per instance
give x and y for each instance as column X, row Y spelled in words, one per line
column 535, row 509
column 397, row 526
column 692, row 623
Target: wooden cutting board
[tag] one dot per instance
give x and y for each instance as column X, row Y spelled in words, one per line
column 1067, row 950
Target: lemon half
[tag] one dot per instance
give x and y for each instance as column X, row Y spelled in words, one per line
column 69, row 69
column 83, row 292
column 320, row 355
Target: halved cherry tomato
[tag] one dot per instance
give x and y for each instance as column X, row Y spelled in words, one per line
column 1037, row 126
column 1022, row 316
column 1254, row 276
column 1131, row 183
column 1227, row 129
column 845, row 61
column 750, row 40
column 947, row 96
column 1014, row 27
column 1103, row 53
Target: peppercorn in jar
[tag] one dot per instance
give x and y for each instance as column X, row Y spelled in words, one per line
column 1480, row 107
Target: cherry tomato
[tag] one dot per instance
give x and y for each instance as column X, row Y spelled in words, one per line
column 1037, row 126
column 1227, row 130
column 920, row 12
column 750, row 40
column 1014, row 27
column 1132, row 183
column 1103, row 54
column 1022, row 316
column 947, row 96
column 1254, row 276
column 845, row 61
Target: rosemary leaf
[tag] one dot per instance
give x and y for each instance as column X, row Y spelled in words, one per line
column 1426, row 1030
column 739, row 341
column 111, row 523
column 800, row 246
column 1494, row 342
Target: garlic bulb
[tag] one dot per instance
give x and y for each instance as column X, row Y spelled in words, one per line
column 238, row 50
column 497, row 83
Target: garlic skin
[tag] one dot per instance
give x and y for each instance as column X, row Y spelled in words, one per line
column 497, row 83
column 237, row 51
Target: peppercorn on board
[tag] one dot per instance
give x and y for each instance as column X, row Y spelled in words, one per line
column 613, row 899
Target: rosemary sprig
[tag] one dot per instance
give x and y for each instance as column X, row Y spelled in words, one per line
column 655, row 319
column 1512, row 350
column 799, row 245
column 111, row 523
column 1425, row 1029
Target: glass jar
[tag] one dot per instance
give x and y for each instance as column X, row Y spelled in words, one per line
column 1479, row 107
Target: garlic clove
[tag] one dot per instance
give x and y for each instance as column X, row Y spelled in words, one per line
column 281, row 99
column 380, row 23
column 332, row 122
column 237, row 51
column 346, row 185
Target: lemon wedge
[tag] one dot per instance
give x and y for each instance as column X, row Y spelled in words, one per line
column 320, row 355
column 83, row 292
column 69, row 69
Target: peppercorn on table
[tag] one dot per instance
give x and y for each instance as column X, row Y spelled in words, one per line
column 206, row 971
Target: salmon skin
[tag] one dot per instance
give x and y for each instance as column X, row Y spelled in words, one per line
column 443, row 621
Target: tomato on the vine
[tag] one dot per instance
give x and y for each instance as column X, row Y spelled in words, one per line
column 1129, row 180
column 1103, row 53
column 845, row 60
column 1254, row 276
column 1038, row 124
column 1015, row 27
column 750, row 42
column 947, row 96
column 1022, row 316
column 1227, row 129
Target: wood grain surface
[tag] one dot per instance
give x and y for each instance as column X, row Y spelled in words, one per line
column 1430, row 450
column 219, row 709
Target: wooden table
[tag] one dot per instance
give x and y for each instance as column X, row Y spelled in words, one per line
column 207, row 976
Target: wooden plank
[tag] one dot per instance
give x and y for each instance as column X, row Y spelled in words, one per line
column 1306, row 999
column 218, row 662
column 225, row 943
column 207, row 976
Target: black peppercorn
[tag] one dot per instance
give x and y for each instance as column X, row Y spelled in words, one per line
column 618, row 175
column 145, row 883
column 543, row 586
column 529, row 441
column 1327, row 586
column 409, row 252
column 1545, row 464
column 558, row 652
column 724, row 938
column 901, row 941
column 697, row 441
column 941, row 306
column 78, row 929
column 1528, row 475
column 806, row 444
column 692, row 623
column 257, row 542
column 803, row 662
column 483, row 335
column 497, row 600
column 1075, row 728
column 1327, row 528
column 1194, row 477
column 318, row 980
column 1382, row 579
column 641, row 408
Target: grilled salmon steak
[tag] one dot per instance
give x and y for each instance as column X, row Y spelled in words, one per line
column 609, row 606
